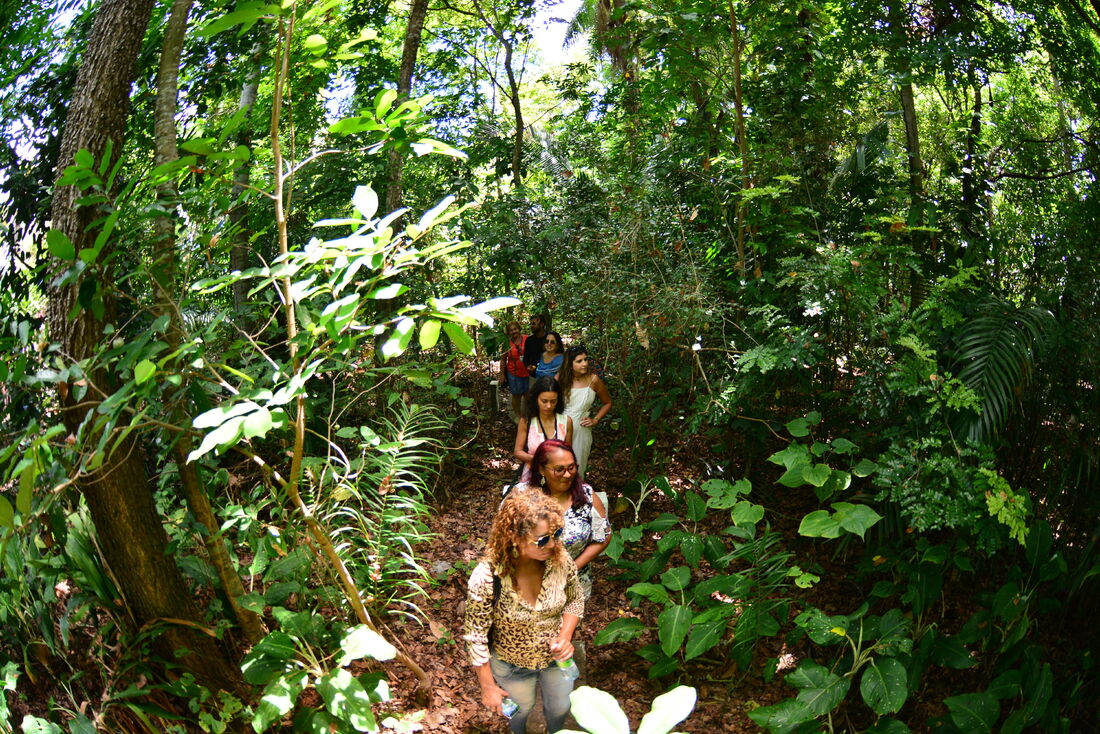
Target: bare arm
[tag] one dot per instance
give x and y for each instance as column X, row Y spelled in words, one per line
column 491, row 693
column 593, row 549
column 520, row 449
column 569, row 430
column 600, row 388
column 561, row 647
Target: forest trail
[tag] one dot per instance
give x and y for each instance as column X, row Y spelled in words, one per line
column 465, row 504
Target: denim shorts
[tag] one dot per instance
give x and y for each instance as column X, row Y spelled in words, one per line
column 520, row 684
column 517, row 385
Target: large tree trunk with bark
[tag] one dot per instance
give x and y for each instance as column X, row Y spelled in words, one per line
column 119, row 494
column 418, row 14
column 164, row 281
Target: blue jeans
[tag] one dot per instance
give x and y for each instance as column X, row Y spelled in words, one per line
column 520, row 684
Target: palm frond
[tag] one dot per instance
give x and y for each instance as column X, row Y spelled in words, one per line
column 995, row 357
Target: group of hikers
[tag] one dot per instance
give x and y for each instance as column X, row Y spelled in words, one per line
column 527, row 594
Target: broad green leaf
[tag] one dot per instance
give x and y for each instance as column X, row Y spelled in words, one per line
column 623, row 629
column 459, row 337
column 819, row 626
column 818, row 524
column 794, row 455
column 59, row 245
column 843, row 446
column 429, row 217
column 865, row 468
column 345, row 699
column 34, row 725
column 7, row 513
column 672, row 627
column 384, row 101
column 855, row 518
column 783, row 717
column 884, row 686
column 598, row 711
column 889, row 726
column 144, row 370
column 269, row 658
column 798, row 428
column 224, row 434
column 278, row 699
column 400, row 338
column 703, row 637
column 362, row 642
column 246, row 14
column 429, row 333
column 676, row 579
column 696, row 507
column 663, row 522
column 222, row 413
column 691, row 547
column 817, row 474
column 84, row 158
column 26, row 490
column 668, row 710
column 654, row 592
column 821, row 691
column 365, row 200
column 315, row 42
column 746, row 513
column 974, row 713
column 391, row 290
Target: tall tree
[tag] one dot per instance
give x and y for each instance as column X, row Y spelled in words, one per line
column 418, row 14
column 118, row 493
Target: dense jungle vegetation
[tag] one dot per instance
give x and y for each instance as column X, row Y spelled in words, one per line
column 837, row 259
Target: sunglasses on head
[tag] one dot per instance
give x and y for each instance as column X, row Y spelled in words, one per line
column 577, row 349
column 544, row 540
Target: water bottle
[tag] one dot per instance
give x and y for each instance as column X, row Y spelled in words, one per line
column 569, row 669
column 508, row 707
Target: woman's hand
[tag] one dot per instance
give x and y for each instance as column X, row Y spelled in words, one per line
column 491, row 696
column 589, row 422
column 561, row 647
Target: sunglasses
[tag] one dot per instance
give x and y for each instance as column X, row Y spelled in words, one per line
column 577, row 349
column 544, row 540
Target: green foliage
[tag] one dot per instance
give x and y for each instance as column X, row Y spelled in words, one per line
column 728, row 612
column 308, row 651
column 599, row 713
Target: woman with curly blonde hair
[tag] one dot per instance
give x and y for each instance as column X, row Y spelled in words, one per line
column 523, row 605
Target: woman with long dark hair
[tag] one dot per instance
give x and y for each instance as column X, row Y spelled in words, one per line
column 523, row 604
column 543, row 419
column 580, row 387
column 553, row 354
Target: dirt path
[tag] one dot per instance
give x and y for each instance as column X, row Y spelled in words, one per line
column 464, row 512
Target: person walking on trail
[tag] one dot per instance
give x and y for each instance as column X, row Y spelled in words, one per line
column 580, row 388
column 513, row 372
column 533, row 345
column 523, row 603
column 587, row 532
column 553, row 356
column 543, row 418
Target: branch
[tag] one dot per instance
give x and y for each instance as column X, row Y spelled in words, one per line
column 1040, row 176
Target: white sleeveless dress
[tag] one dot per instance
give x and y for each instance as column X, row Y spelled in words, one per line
column 579, row 406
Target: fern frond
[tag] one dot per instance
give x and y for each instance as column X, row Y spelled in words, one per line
column 995, row 357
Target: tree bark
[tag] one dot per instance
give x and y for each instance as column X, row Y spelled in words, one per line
column 238, row 215
column 418, row 14
column 164, row 281
column 118, row 494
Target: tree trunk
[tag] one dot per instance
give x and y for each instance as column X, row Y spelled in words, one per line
column 742, row 140
column 164, row 281
column 238, row 215
column 418, row 14
column 972, row 197
column 118, row 494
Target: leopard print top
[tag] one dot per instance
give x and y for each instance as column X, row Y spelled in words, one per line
column 521, row 632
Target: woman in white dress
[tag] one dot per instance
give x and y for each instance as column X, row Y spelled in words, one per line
column 581, row 387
